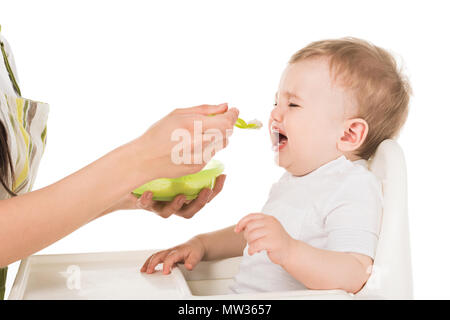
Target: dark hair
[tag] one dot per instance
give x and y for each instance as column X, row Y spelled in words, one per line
column 6, row 164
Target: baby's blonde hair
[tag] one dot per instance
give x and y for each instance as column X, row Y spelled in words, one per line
column 379, row 89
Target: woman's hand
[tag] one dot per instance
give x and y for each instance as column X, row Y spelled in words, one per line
column 157, row 149
column 153, row 157
column 178, row 206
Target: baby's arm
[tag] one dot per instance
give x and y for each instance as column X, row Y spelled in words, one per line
column 326, row 269
column 209, row 246
column 222, row 244
column 315, row 268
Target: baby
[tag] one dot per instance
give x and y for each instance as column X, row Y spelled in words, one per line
column 337, row 100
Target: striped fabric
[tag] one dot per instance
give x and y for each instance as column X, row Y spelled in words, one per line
column 26, row 124
column 3, row 272
column 25, row 121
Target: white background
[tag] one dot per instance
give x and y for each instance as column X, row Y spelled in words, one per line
column 109, row 69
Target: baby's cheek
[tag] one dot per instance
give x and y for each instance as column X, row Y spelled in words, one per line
column 300, row 136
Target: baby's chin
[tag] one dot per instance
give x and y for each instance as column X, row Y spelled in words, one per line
column 293, row 167
column 292, row 163
column 282, row 162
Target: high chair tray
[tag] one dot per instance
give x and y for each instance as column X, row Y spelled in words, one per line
column 116, row 275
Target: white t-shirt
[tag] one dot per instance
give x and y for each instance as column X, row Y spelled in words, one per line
column 335, row 207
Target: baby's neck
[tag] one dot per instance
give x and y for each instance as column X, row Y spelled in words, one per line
column 352, row 157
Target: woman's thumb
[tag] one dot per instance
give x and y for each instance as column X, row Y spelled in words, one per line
column 206, row 109
column 215, row 109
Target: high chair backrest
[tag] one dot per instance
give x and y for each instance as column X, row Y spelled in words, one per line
column 391, row 276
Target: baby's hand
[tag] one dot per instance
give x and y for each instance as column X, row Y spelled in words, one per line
column 190, row 253
column 265, row 232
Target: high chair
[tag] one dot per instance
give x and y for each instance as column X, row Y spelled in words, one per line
column 115, row 275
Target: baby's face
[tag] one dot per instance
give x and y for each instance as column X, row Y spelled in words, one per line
column 309, row 114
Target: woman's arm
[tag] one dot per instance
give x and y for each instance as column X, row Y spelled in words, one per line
column 36, row 219
column 32, row 221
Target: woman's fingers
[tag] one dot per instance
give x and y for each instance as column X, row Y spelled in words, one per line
column 164, row 208
column 218, row 186
column 179, row 205
column 205, row 109
column 209, row 147
column 145, row 201
column 223, row 117
column 189, row 210
column 172, row 207
column 222, row 121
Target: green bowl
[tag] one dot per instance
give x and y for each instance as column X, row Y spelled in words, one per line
column 166, row 189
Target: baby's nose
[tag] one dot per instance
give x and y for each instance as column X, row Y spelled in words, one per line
column 277, row 114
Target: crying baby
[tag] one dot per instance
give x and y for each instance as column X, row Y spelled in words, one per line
column 337, row 100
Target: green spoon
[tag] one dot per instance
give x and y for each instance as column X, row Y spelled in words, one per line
column 254, row 124
column 240, row 123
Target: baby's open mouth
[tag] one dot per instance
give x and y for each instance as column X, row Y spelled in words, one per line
column 279, row 139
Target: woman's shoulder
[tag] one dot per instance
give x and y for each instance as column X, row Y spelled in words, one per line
column 9, row 54
column 6, row 86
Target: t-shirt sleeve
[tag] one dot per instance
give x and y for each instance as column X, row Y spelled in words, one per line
column 6, row 85
column 354, row 215
column 11, row 60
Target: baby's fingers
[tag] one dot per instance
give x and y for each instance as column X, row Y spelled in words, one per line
column 172, row 258
column 257, row 246
column 245, row 220
column 156, row 259
column 192, row 260
column 255, row 234
column 252, row 225
column 144, row 267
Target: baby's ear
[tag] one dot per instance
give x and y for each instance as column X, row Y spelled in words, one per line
column 353, row 135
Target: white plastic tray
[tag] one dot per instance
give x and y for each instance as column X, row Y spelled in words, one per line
column 113, row 275
column 116, row 275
